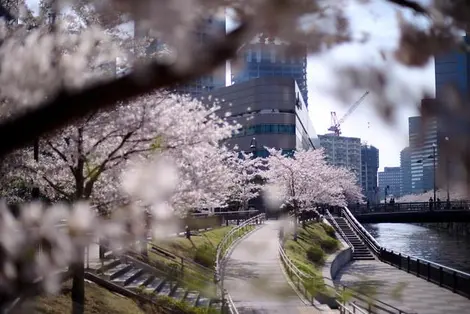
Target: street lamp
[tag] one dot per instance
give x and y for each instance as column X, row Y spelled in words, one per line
column 433, row 156
column 386, row 193
column 253, row 147
column 447, row 177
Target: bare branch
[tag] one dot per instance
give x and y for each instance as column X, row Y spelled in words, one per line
column 410, row 4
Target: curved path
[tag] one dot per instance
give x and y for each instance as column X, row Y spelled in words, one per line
column 254, row 277
column 402, row 290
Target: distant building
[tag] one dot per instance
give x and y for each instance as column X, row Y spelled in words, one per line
column 209, row 28
column 405, row 166
column 271, row 113
column 391, row 178
column 369, row 168
column 343, row 151
column 453, row 68
column 422, row 137
column 266, row 58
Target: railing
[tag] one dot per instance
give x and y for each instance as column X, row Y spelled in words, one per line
column 338, row 229
column 298, row 278
column 367, row 303
column 222, row 248
column 411, row 206
column 452, row 279
column 359, row 229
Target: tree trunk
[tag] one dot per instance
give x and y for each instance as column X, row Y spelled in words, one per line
column 78, row 285
column 296, row 218
column 102, row 248
column 143, row 246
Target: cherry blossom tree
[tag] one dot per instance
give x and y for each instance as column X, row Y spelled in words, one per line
column 304, row 179
column 245, row 178
column 55, row 73
column 457, row 192
column 86, row 160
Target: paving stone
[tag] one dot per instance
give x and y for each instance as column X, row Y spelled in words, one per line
column 403, row 290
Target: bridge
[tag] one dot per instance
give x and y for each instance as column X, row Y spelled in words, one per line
column 413, row 212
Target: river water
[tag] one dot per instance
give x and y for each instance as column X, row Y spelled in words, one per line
column 434, row 245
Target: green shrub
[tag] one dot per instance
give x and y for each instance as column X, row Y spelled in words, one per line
column 315, row 254
column 205, row 255
column 329, row 244
column 330, row 231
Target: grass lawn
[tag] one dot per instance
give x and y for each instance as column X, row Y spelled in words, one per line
column 98, row 301
column 102, row 301
column 202, row 248
column 314, row 243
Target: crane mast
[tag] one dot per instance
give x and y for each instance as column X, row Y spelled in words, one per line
column 336, row 124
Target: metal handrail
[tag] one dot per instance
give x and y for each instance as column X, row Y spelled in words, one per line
column 356, row 294
column 301, row 276
column 222, row 248
column 380, row 247
column 339, row 230
column 360, row 229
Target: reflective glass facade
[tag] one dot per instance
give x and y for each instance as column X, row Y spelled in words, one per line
column 268, row 60
column 453, row 69
column 269, row 110
column 421, row 138
column 212, row 27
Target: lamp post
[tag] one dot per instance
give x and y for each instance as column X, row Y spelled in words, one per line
column 253, row 147
column 433, row 156
column 447, row 177
column 386, row 192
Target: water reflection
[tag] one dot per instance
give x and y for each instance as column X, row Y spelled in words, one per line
column 434, row 245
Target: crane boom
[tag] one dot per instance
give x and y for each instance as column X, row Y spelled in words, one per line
column 336, row 124
column 353, row 107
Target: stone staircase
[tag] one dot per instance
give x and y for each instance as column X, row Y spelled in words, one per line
column 361, row 251
column 144, row 279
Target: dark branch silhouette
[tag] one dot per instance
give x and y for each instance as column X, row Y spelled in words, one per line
column 68, row 106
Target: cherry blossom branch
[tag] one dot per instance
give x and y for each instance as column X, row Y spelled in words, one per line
column 69, row 106
column 410, row 4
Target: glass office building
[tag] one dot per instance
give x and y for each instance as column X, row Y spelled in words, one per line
column 268, row 60
column 271, row 113
column 210, row 28
column 453, row 68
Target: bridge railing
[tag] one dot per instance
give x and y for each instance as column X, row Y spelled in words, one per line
column 447, row 277
column 411, row 206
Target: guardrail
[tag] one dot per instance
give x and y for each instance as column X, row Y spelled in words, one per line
column 338, row 229
column 410, row 206
column 222, row 248
column 298, row 279
column 447, row 277
column 367, row 303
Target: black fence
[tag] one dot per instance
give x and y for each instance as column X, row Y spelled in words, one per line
column 403, row 207
column 446, row 277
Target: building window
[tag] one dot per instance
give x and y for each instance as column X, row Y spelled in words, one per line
column 265, row 129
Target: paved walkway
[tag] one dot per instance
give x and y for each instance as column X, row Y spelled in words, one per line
column 254, row 277
column 402, row 290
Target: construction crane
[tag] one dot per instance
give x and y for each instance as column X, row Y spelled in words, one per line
column 336, row 124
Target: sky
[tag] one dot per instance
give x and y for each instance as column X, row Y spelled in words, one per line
column 379, row 20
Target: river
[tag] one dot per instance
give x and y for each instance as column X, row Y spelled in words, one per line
column 437, row 246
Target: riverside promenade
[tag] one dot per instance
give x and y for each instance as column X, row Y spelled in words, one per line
column 254, row 277
column 401, row 289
